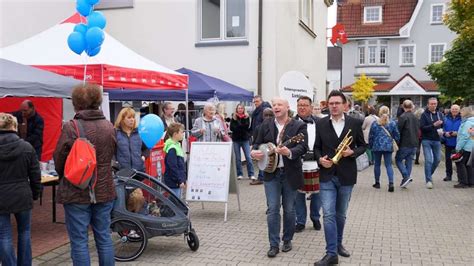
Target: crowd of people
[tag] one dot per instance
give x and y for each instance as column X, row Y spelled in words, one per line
column 335, row 134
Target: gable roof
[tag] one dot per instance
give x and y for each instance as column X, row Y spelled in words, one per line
column 406, row 85
column 395, row 15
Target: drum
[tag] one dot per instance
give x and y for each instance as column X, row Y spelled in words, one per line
column 311, row 177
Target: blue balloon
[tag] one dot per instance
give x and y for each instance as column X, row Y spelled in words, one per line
column 151, row 129
column 93, row 52
column 76, row 42
column 81, row 28
column 94, row 38
column 92, row 2
column 83, row 7
column 96, row 19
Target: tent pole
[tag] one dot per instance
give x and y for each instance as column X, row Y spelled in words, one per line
column 187, row 115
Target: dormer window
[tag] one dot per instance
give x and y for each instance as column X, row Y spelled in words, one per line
column 373, row 14
column 437, row 11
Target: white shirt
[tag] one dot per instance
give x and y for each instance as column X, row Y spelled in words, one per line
column 280, row 128
column 338, row 125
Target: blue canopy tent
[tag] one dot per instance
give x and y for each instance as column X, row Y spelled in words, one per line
column 201, row 87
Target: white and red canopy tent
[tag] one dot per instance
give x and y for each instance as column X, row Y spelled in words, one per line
column 116, row 66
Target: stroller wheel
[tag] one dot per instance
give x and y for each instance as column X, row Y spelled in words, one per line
column 128, row 237
column 193, row 240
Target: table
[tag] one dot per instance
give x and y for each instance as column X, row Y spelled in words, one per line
column 53, row 181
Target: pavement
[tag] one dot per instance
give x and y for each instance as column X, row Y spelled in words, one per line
column 413, row 226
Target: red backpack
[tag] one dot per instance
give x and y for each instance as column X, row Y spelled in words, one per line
column 81, row 163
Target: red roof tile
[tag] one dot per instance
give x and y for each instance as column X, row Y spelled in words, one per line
column 395, row 14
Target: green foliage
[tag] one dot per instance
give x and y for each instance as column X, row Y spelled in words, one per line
column 363, row 89
column 455, row 74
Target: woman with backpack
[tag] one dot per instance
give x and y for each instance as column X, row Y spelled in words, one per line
column 381, row 141
column 88, row 207
column 130, row 149
column 20, row 184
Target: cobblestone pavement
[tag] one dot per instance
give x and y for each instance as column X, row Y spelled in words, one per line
column 414, row 226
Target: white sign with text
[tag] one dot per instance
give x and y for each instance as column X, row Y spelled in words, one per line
column 294, row 84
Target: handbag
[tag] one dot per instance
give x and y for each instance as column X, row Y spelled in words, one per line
column 394, row 143
column 362, row 162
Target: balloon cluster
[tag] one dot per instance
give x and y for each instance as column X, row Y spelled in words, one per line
column 88, row 37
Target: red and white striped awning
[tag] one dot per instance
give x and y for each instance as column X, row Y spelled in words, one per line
column 116, row 66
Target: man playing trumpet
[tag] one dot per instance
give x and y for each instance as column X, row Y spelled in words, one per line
column 336, row 150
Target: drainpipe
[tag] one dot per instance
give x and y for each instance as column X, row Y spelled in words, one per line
column 259, row 59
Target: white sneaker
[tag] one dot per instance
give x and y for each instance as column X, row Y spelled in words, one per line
column 240, row 177
column 429, row 185
column 252, row 178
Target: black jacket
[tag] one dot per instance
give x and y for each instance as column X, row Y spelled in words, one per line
column 257, row 116
column 20, row 175
column 408, row 126
column 428, row 130
column 240, row 128
column 34, row 133
column 326, row 144
column 268, row 132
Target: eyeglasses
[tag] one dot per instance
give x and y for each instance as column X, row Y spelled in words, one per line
column 335, row 103
column 303, row 105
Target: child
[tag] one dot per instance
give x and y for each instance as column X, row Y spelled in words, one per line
column 175, row 170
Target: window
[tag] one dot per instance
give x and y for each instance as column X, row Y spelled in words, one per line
column 407, row 55
column 437, row 11
column 109, row 4
column 372, row 14
column 373, row 52
column 436, row 52
column 361, row 55
column 383, row 55
column 307, row 16
column 222, row 20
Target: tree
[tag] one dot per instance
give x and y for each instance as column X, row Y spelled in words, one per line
column 363, row 89
column 455, row 74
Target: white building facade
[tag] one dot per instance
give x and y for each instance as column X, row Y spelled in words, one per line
column 216, row 37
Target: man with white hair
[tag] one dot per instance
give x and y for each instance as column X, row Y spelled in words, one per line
column 281, row 185
column 451, row 125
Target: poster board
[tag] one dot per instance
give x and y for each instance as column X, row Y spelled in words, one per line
column 209, row 172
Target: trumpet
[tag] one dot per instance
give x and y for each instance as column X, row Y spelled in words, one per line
column 342, row 146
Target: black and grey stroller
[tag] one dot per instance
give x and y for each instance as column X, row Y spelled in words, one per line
column 145, row 208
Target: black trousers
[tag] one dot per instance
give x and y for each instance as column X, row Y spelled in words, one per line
column 448, row 150
column 465, row 172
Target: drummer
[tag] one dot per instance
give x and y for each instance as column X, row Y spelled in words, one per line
column 309, row 165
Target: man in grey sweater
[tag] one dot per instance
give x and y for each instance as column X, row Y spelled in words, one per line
column 408, row 126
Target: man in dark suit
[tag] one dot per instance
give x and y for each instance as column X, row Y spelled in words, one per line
column 309, row 164
column 336, row 180
column 281, row 185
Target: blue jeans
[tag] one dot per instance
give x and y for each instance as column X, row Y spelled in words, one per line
column 245, row 145
column 335, row 201
column 406, row 154
column 314, row 207
column 78, row 218
column 7, row 253
column 176, row 191
column 387, row 159
column 432, row 152
column 278, row 192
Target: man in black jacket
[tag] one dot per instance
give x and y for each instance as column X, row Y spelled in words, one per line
column 310, row 165
column 336, row 179
column 257, row 119
column 281, row 185
column 431, row 123
column 408, row 126
column 30, row 126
